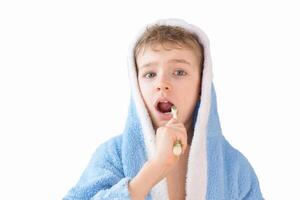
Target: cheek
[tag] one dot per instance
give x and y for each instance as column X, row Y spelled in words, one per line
column 192, row 95
column 145, row 85
column 145, row 91
column 142, row 88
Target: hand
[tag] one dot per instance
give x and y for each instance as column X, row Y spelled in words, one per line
column 165, row 139
column 164, row 160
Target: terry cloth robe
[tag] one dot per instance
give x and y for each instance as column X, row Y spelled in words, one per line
column 216, row 171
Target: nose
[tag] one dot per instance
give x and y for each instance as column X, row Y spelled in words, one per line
column 163, row 85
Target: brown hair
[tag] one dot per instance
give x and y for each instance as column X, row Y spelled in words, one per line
column 166, row 34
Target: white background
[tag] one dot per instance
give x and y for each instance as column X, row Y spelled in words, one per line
column 64, row 87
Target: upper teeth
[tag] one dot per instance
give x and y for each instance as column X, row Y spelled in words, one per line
column 164, row 101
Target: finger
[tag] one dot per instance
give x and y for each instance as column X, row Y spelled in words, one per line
column 178, row 124
column 177, row 129
column 182, row 137
column 172, row 121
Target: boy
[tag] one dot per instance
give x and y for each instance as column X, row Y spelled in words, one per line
column 170, row 65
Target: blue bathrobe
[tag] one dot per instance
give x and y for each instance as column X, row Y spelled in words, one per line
column 215, row 171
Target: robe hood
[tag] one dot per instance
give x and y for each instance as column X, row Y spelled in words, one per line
column 206, row 119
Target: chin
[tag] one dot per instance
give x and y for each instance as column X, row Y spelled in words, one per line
column 156, row 125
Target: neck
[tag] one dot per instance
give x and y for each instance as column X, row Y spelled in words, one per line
column 190, row 132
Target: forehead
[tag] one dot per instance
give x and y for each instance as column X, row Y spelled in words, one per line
column 167, row 53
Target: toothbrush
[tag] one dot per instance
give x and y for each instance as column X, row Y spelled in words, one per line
column 177, row 147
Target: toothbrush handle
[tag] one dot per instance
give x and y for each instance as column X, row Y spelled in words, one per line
column 177, row 148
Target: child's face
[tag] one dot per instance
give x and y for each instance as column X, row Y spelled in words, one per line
column 171, row 74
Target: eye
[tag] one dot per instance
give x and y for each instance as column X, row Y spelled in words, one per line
column 180, row 72
column 149, row 75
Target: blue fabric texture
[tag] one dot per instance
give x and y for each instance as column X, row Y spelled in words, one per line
column 116, row 161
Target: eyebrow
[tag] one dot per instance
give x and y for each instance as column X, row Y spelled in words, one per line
column 170, row 61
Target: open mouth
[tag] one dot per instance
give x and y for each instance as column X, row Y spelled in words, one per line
column 164, row 107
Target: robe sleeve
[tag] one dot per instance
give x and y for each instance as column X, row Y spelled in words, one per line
column 103, row 178
column 249, row 188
